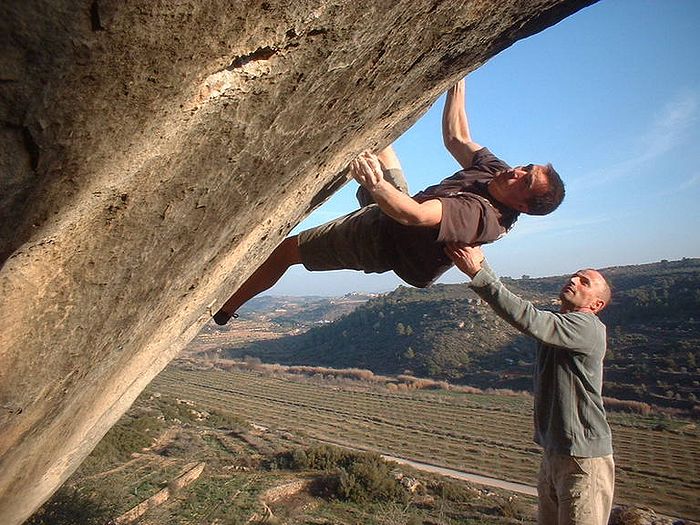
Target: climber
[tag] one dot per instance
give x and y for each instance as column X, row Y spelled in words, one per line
column 393, row 231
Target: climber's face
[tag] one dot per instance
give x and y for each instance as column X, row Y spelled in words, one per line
column 516, row 186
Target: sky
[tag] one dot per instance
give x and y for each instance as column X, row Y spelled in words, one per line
column 611, row 97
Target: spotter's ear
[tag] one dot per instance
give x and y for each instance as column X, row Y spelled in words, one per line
column 597, row 305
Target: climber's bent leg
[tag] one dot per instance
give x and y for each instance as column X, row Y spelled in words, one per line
column 284, row 256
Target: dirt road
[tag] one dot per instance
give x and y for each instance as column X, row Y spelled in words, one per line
column 466, row 476
column 520, row 488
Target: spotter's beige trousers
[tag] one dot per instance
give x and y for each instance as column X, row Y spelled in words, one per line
column 575, row 490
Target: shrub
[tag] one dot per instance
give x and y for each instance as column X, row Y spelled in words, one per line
column 368, row 478
column 321, row 457
column 355, row 476
column 628, row 516
column 468, row 389
column 512, row 507
column 69, row 506
column 452, row 491
column 635, row 407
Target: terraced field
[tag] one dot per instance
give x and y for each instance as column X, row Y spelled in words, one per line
column 485, row 434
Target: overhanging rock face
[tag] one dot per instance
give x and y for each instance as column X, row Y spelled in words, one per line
column 154, row 152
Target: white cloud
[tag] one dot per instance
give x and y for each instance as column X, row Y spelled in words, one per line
column 561, row 226
column 683, row 187
column 690, row 183
column 671, row 124
column 668, row 128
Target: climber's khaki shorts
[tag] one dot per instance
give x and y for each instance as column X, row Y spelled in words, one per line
column 356, row 241
column 352, row 242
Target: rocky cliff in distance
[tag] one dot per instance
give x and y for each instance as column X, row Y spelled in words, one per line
column 153, row 153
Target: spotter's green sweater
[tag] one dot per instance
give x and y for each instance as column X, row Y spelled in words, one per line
column 568, row 376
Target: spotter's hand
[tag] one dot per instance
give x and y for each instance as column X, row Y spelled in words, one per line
column 467, row 258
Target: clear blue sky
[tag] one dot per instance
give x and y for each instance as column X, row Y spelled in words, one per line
column 611, row 97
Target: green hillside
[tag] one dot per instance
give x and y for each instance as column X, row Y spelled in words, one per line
column 446, row 332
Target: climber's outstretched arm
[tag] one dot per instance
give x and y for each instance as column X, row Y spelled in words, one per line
column 455, row 126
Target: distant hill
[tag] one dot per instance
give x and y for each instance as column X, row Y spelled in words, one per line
column 446, row 332
column 303, row 311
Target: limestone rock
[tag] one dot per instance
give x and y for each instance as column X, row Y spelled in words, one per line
column 154, row 152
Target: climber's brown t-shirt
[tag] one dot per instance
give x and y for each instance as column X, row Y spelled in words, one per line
column 469, row 215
